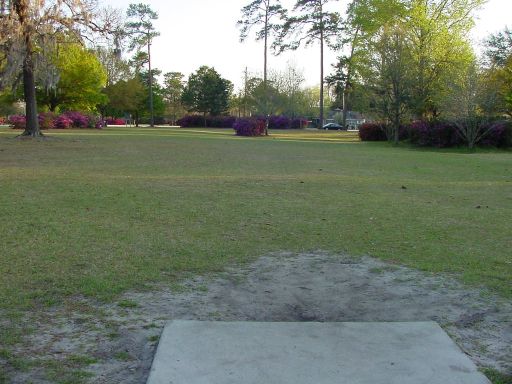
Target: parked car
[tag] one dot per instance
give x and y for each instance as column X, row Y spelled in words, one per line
column 333, row 126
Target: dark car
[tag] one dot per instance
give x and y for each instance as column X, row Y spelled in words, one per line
column 333, row 126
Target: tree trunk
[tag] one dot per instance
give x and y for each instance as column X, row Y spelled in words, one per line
column 29, row 90
column 265, row 86
column 151, row 112
column 321, row 74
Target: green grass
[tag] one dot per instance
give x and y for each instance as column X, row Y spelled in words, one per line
column 99, row 212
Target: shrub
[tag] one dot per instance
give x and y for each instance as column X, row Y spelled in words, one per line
column 372, row 132
column 440, row 134
column 47, row 120
column 63, row 122
column 79, row 120
column 95, row 122
column 3, row 121
column 220, row 121
column 189, row 121
column 198, row 121
column 115, row 121
column 279, row 122
column 298, row 123
column 17, row 121
column 249, row 127
column 499, row 135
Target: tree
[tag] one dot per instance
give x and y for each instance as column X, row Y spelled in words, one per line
column 141, row 29
column 26, row 28
column 126, row 96
column 363, row 20
column 261, row 13
column 207, row 92
column 81, row 80
column 498, row 48
column 311, row 24
column 498, row 74
column 394, row 69
column 172, row 92
column 440, row 49
column 154, row 95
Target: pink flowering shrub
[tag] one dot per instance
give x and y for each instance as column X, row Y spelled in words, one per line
column 249, row 127
column 17, row 121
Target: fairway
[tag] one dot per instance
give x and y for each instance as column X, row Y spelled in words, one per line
column 95, row 213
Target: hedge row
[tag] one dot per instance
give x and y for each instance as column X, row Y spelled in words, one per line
column 194, row 121
column 440, row 134
column 275, row 122
column 49, row 120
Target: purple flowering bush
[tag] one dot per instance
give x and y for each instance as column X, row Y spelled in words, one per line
column 17, row 121
column 79, row 120
column 115, row 121
column 199, row 121
column 373, row 132
column 63, row 122
column 440, row 134
column 499, row 134
column 298, row 123
column 279, row 122
column 249, row 127
column 46, row 120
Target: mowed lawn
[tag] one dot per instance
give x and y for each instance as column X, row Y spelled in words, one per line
column 98, row 212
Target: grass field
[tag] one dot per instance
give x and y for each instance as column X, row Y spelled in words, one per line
column 99, row 212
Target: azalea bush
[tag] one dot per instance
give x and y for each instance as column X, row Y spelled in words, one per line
column 199, row 121
column 115, row 121
column 17, row 121
column 249, row 127
column 440, row 134
column 373, row 132
column 78, row 119
column 47, row 120
column 63, row 122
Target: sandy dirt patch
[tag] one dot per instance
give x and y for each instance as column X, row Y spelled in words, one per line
column 279, row 287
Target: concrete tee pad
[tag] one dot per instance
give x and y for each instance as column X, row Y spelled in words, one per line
column 195, row 352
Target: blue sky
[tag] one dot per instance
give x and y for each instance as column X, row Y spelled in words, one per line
column 204, row 32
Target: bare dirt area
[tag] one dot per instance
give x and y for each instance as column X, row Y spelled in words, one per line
column 115, row 343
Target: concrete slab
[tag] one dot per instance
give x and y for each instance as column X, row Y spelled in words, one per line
column 194, row 352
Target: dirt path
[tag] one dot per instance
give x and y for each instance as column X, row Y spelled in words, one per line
column 280, row 287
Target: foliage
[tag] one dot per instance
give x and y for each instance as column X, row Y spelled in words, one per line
column 141, row 30
column 261, row 13
column 409, row 54
column 78, row 120
column 28, row 34
column 47, row 120
column 50, row 120
column 298, row 123
column 499, row 48
column 63, row 122
column 81, row 80
column 194, row 121
column 445, row 134
column 126, row 96
column 498, row 73
column 17, row 121
column 249, row 127
column 279, row 122
column 115, row 121
column 438, row 134
column 373, row 132
column 207, row 92
column 310, row 24
column 172, row 91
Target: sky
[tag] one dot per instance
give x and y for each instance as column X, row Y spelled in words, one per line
column 204, row 32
